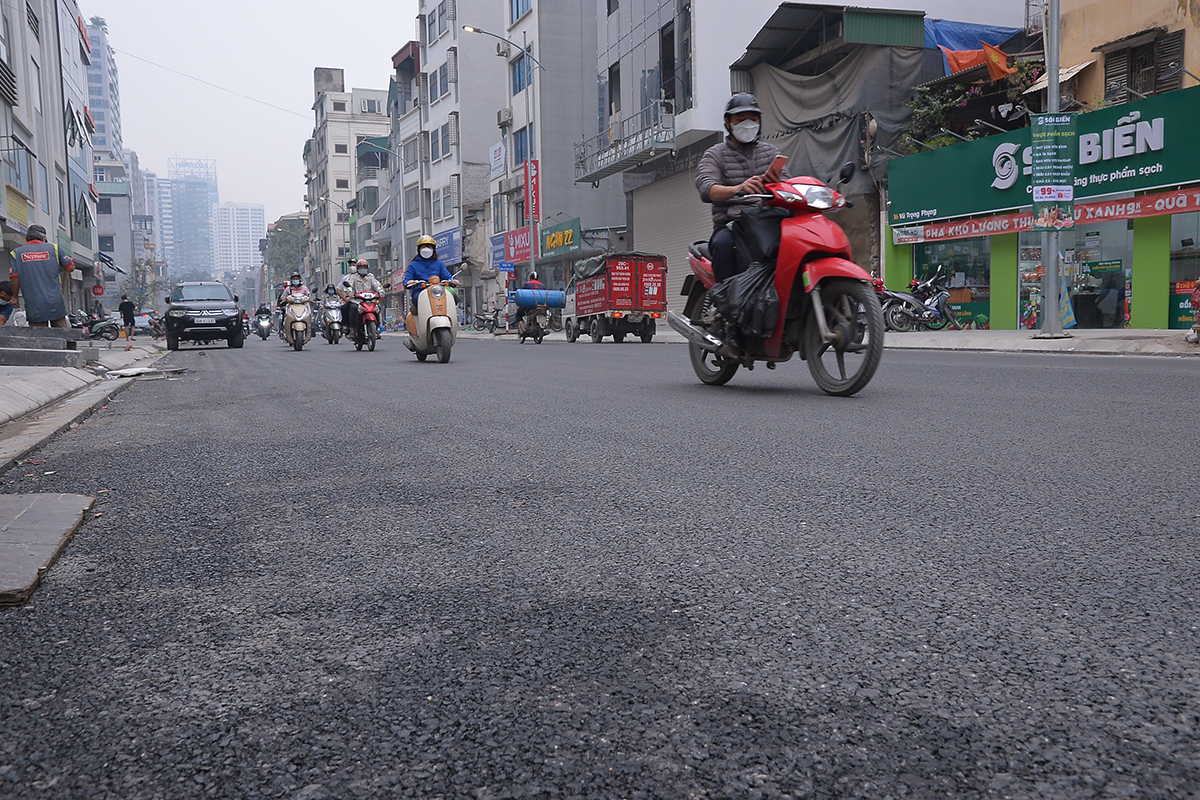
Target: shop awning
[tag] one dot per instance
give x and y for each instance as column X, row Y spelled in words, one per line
column 1064, row 75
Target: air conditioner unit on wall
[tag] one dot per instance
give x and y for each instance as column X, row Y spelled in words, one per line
column 503, row 50
column 504, row 117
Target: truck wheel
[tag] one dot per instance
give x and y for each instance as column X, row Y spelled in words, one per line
column 571, row 330
column 172, row 341
column 647, row 335
column 619, row 337
column 596, row 332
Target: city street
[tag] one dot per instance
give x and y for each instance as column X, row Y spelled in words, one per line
column 566, row 571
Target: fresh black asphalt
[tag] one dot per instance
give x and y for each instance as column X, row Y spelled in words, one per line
column 566, row 571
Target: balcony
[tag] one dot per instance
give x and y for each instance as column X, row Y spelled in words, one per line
column 628, row 143
column 367, row 174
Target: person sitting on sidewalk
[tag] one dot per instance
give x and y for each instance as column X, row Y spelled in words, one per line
column 34, row 276
column 6, row 306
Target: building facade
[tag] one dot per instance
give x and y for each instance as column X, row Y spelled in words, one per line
column 104, row 90
column 237, row 230
column 194, row 198
column 1129, row 251
column 342, row 119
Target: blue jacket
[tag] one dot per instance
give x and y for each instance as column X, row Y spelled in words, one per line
column 422, row 269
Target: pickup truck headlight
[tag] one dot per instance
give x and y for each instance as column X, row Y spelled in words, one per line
column 176, row 312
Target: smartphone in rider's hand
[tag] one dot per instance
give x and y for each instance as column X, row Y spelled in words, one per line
column 775, row 171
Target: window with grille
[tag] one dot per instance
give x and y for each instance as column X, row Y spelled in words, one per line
column 1145, row 69
column 341, row 148
column 437, row 204
column 342, row 183
column 411, row 151
column 453, row 128
column 338, row 105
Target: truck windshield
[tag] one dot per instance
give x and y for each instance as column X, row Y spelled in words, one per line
column 201, row 293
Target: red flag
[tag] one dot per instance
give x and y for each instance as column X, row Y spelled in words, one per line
column 997, row 62
column 958, row 60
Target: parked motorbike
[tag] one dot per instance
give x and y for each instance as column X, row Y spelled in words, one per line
column 94, row 327
column 332, row 314
column 297, row 320
column 925, row 305
column 262, row 325
column 367, row 332
column 827, row 310
column 158, row 327
column 486, row 322
column 434, row 328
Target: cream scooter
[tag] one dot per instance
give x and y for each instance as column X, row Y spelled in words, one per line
column 297, row 320
column 434, row 328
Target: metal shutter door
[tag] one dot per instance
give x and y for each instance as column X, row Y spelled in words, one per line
column 667, row 217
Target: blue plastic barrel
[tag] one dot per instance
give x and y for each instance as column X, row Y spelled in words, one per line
column 528, row 298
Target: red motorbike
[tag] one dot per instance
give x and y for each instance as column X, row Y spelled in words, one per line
column 368, row 321
column 828, row 310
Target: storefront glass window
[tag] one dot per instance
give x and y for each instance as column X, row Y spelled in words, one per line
column 967, row 265
column 1185, row 268
column 1098, row 258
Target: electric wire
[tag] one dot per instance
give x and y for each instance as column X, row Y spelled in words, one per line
column 213, row 85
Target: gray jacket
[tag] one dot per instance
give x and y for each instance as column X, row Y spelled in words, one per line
column 728, row 164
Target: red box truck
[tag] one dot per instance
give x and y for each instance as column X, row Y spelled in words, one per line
column 616, row 294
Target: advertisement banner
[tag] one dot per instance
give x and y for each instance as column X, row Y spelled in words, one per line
column 1150, row 205
column 516, row 245
column 1137, row 146
column 499, row 160
column 533, row 190
column 495, row 250
column 449, row 246
column 561, row 239
column 1054, row 145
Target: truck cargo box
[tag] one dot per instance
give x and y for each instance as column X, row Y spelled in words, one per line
column 622, row 282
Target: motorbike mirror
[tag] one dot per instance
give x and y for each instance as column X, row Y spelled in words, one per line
column 168, row 299
column 235, row 298
column 847, row 172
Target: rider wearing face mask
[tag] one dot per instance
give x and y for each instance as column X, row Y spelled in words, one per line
column 424, row 267
column 361, row 280
column 741, row 163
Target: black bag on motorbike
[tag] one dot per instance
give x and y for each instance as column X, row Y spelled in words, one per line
column 756, row 234
column 749, row 299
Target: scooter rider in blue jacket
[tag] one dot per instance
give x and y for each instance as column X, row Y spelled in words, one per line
column 424, row 267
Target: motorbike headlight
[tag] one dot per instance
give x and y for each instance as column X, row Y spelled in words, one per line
column 437, row 291
column 818, row 197
column 176, row 312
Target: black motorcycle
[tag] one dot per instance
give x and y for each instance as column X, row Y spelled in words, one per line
column 95, row 327
column 926, row 305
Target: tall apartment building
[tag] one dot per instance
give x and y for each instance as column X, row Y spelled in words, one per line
column 133, row 169
column 236, row 234
column 194, row 197
column 342, row 120
column 45, row 124
column 164, row 218
column 104, row 92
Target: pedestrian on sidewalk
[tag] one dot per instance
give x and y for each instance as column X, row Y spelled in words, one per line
column 6, row 306
column 33, row 273
column 127, row 311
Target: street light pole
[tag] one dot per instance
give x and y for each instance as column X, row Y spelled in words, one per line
column 526, row 57
column 1051, row 321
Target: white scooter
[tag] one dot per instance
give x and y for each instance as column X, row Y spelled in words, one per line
column 297, row 320
column 434, row 328
column 333, row 319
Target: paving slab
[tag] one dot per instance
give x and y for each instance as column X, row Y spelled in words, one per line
column 34, row 529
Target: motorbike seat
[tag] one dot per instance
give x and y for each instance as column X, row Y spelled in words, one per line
column 700, row 249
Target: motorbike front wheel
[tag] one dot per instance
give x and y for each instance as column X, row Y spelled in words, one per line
column 441, row 344
column 372, row 333
column 843, row 366
column 298, row 340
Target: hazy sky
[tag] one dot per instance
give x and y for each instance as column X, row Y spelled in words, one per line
column 265, row 49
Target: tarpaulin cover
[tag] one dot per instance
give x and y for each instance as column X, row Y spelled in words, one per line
column 963, row 36
column 817, row 121
column 597, row 264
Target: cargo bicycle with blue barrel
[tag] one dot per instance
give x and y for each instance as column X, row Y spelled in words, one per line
column 533, row 309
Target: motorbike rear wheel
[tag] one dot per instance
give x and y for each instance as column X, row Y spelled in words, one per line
column 710, row 368
column 898, row 318
column 441, row 343
column 853, row 314
column 372, row 333
column 111, row 334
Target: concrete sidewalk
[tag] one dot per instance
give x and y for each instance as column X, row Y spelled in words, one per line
column 1090, row 342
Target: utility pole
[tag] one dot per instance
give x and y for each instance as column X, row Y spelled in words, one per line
column 1051, row 321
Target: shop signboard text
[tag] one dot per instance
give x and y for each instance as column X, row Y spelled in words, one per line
column 564, row 238
column 1053, row 171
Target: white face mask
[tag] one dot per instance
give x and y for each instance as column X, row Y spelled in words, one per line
column 426, row 252
column 362, row 270
column 746, row 131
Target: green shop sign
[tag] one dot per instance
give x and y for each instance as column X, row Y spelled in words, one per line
column 561, row 239
column 1131, row 147
column 1095, row 267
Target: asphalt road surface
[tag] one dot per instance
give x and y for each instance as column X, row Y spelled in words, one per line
column 567, row 571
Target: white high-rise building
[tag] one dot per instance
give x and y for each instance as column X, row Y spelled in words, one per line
column 236, row 234
column 104, row 92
